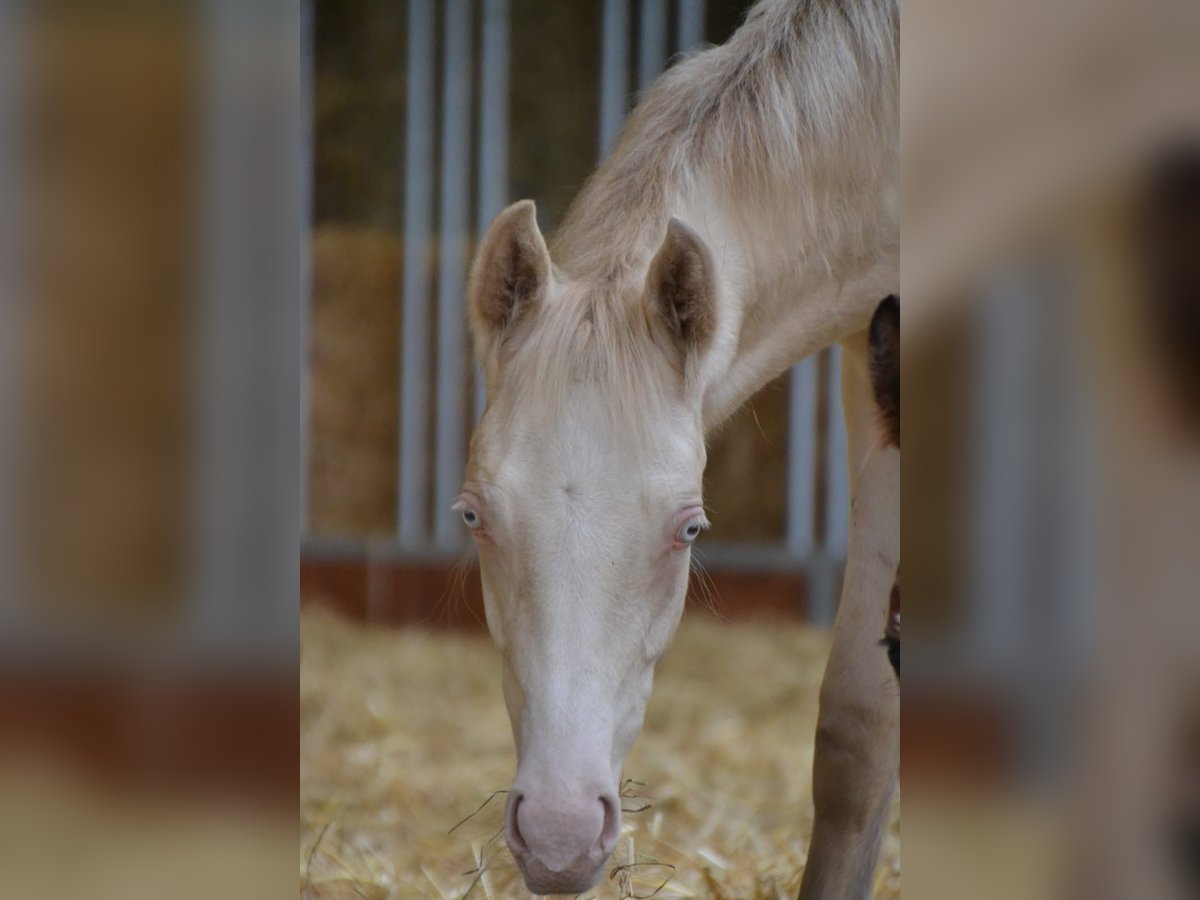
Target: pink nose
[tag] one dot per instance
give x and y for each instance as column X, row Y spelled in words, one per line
column 561, row 842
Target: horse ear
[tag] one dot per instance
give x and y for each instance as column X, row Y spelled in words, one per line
column 509, row 278
column 682, row 289
column 884, row 344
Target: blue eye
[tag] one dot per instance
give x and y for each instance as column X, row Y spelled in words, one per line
column 471, row 518
column 690, row 531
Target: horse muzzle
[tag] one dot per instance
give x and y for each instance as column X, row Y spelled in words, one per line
column 560, row 840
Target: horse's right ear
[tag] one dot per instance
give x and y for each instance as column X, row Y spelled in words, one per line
column 509, row 279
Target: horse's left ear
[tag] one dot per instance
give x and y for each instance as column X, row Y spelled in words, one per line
column 681, row 288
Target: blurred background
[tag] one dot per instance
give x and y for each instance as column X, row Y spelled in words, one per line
column 1050, row 161
column 154, row 246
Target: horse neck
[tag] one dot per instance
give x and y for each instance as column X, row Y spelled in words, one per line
column 790, row 287
column 779, row 149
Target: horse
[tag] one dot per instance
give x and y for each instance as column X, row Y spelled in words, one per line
column 747, row 217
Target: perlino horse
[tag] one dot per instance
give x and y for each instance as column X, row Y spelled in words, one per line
column 748, row 217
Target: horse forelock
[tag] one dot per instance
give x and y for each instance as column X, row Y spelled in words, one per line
column 596, row 338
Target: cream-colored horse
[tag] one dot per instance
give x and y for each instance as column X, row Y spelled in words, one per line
column 748, row 217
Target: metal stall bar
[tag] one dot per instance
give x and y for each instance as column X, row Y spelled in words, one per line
column 614, row 71
column 689, row 24
column 452, row 257
column 493, row 132
column 13, row 302
column 802, row 459
column 837, row 497
column 825, row 566
column 418, row 206
column 652, row 41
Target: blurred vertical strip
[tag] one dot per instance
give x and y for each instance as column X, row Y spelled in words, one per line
column 224, row 405
column 418, row 206
column 256, row 211
column 493, row 133
column 614, row 72
column 1002, row 456
column 452, row 263
column 13, row 297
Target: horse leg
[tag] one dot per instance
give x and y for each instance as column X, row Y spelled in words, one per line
column 857, row 741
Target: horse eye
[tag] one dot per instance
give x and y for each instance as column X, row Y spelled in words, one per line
column 690, row 531
column 471, row 518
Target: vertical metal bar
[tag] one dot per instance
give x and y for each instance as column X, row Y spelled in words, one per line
column 418, row 205
column 493, row 133
column 455, row 180
column 614, row 71
column 493, row 111
column 689, row 24
column 802, row 459
column 14, row 300
column 652, row 41
column 826, row 565
column 837, row 479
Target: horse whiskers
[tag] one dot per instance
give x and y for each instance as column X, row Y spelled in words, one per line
column 624, row 790
column 492, row 796
column 706, row 587
column 628, row 791
column 454, row 594
column 622, row 871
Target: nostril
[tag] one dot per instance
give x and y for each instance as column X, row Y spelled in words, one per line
column 515, row 839
column 612, row 824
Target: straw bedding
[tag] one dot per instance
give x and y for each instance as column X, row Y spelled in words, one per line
column 404, row 735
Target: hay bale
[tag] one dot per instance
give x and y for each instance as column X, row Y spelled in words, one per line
column 404, row 737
